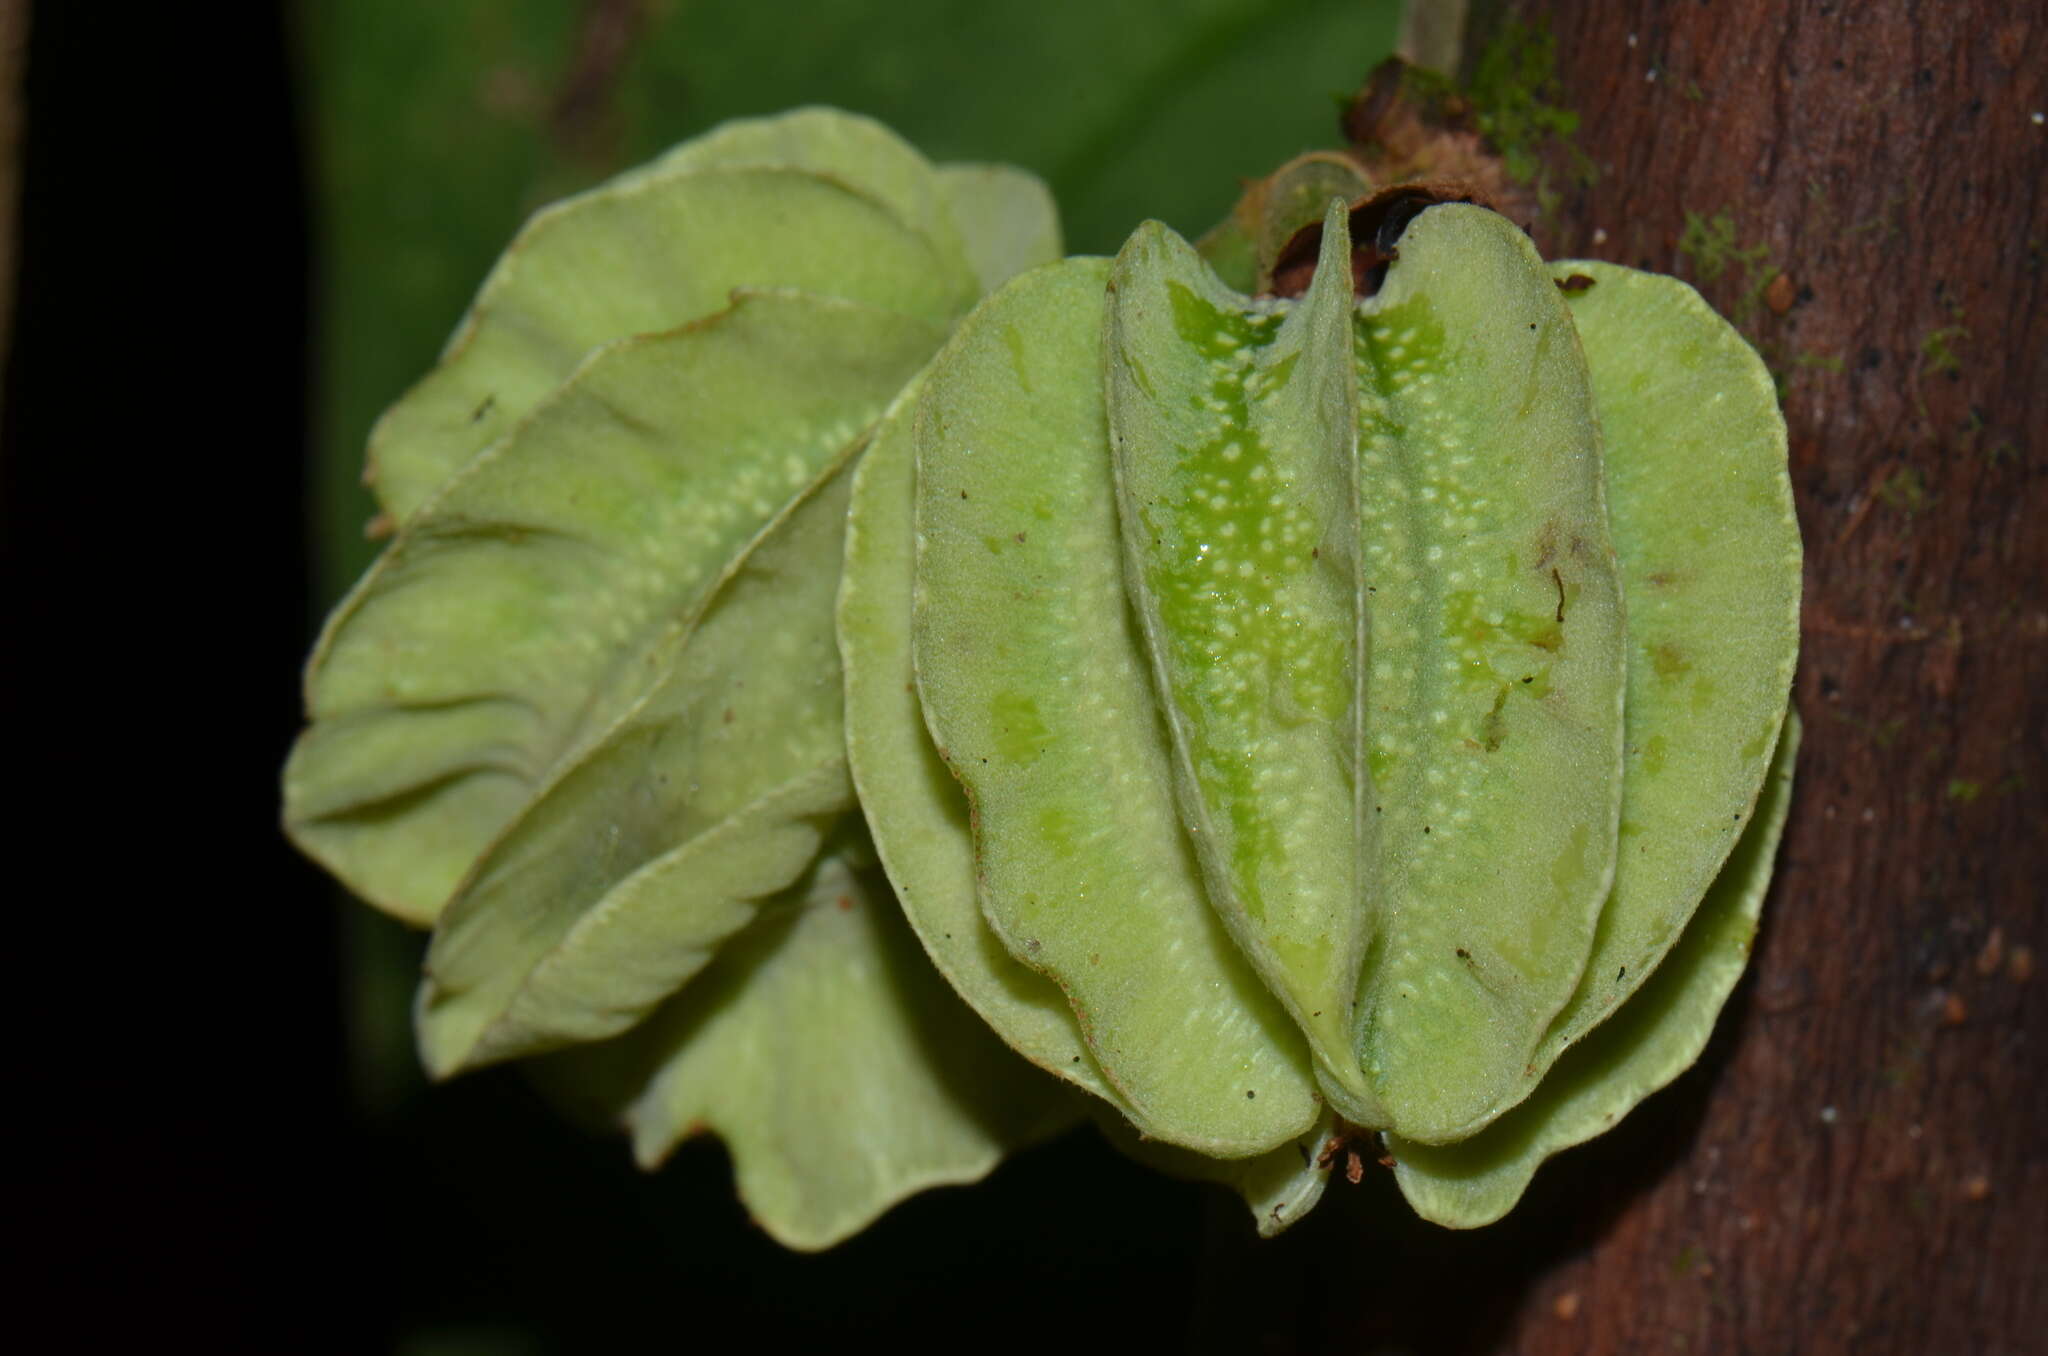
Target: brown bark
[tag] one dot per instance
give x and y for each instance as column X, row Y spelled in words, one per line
column 1858, row 1163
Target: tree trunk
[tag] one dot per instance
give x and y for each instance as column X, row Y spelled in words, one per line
column 1858, row 1161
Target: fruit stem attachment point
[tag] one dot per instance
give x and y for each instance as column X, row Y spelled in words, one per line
column 1377, row 222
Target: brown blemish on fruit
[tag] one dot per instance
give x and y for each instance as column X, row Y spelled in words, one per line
column 1494, row 728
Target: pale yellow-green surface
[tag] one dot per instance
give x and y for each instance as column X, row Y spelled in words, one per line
column 1701, row 508
column 833, row 1061
column 628, row 870
column 1652, row 1038
column 814, row 200
column 1005, row 217
column 832, row 143
column 915, row 809
column 1037, row 695
column 527, row 605
column 668, row 250
column 1494, row 680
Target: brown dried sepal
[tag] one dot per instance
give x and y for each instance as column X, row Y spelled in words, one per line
column 1376, row 225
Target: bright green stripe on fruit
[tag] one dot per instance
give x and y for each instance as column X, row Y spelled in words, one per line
column 1036, row 692
column 1655, row 1036
column 1233, row 428
column 1493, row 713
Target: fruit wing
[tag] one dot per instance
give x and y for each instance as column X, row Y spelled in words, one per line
column 622, row 877
column 915, row 809
column 1006, row 218
column 529, row 604
column 1494, row 674
column 1233, row 425
column 1700, row 504
column 1654, row 1036
column 642, row 256
column 838, row 1068
column 1036, row 691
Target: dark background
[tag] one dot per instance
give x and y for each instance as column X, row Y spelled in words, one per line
column 192, row 1165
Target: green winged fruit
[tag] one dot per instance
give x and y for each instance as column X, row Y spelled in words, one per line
column 827, row 638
